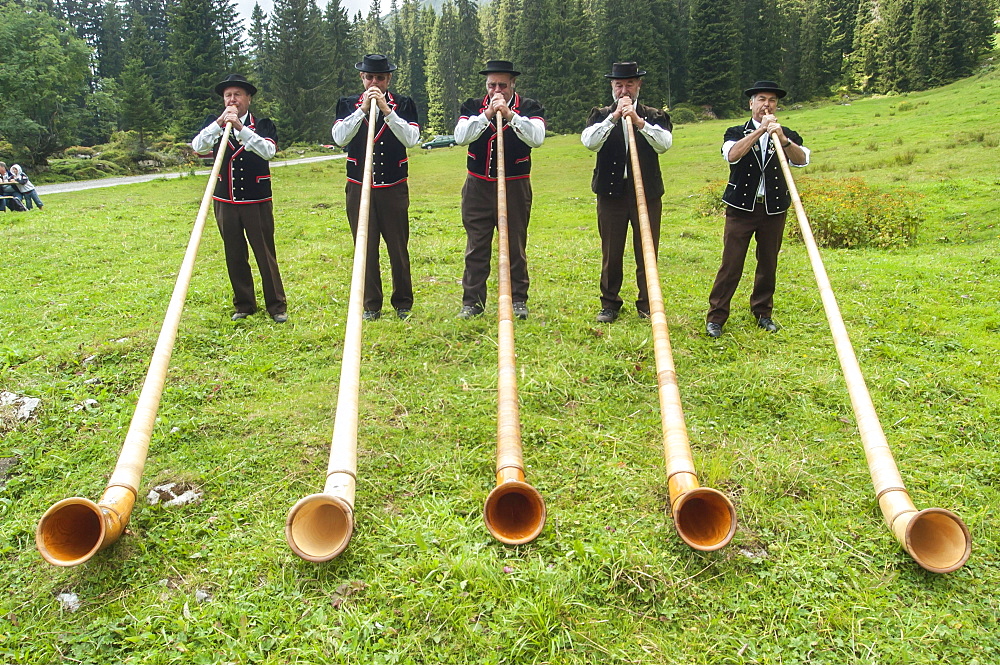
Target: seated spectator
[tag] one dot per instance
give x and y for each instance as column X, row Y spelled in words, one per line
column 28, row 193
column 8, row 191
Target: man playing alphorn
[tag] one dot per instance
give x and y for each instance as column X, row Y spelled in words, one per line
column 524, row 129
column 243, row 207
column 388, row 216
column 612, row 183
column 756, row 199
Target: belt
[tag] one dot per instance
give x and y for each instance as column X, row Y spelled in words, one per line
column 760, row 198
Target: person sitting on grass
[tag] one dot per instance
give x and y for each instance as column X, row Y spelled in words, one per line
column 27, row 189
column 8, row 191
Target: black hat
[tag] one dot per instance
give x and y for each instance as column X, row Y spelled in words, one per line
column 500, row 67
column 764, row 86
column 373, row 63
column 625, row 70
column 237, row 80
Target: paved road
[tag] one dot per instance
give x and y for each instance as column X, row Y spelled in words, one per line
column 77, row 185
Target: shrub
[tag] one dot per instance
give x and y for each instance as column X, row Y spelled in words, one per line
column 79, row 151
column 683, row 116
column 77, row 169
column 849, row 213
column 843, row 213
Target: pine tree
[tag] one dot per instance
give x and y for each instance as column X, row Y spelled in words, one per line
column 570, row 86
column 258, row 47
column 469, row 49
column 197, row 63
column 894, row 46
column 232, row 35
column 343, row 52
column 376, row 35
column 865, row 67
column 411, row 77
column 488, row 31
column 714, row 64
column 442, row 80
column 141, row 111
column 923, row 37
column 157, row 59
column 304, row 91
column 109, row 38
column 508, row 12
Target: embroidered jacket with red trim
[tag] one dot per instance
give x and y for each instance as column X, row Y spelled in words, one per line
column 745, row 175
column 245, row 177
column 610, row 178
column 482, row 161
column 390, row 166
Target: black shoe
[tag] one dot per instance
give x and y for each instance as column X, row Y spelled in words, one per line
column 713, row 330
column 470, row 311
column 607, row 315
column 240, row 315
column 403, row 313
column 280, row 318
column 521, row 310
column 643, row 314
column 371, row 315
column 767, row 324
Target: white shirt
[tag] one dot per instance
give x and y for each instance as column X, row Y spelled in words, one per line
column 249, row 139
column 529, row 130
column 594, row 136
column 344, row 129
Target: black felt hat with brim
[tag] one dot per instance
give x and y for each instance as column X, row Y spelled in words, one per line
column 500, row 67
column 373, row 63
column 764, row 86
column 625, row 70
column 235, row 80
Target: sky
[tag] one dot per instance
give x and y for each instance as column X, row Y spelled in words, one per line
column 352, row 6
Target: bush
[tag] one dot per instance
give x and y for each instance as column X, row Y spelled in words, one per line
column 843, row 213
column 77, row 169
column 79, row 151
column 849, row 213
column 683, row 116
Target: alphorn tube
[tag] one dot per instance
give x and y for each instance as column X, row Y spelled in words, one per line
column 75, row 528
column 514, row 511
column 936, row 538
column 319, row 526
column 705, row 518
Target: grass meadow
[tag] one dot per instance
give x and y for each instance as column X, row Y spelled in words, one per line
column 812, row 575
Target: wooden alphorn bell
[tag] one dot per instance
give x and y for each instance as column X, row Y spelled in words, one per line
column 514, row 510
column 319, row 526
column 75, row 528
column 936, row 538
column 705, row 519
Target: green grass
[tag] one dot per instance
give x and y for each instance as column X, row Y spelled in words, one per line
column 812, row 575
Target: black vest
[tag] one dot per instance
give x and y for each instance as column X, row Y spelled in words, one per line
column 609, row 172
column 745, row 175
column 245, row 177
column 482, row 162
column 389, row 163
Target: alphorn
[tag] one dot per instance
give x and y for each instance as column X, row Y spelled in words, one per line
column 319, row 526
column 936, row 538
column 74, row 529
column 705, row 519
column 514, row 510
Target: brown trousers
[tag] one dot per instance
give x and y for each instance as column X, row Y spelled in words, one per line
column 741, row 226
column 253, row 223
column 614, row 216
column 479, row 216
column 389, row 219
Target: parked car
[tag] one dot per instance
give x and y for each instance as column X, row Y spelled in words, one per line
column 439, row 141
